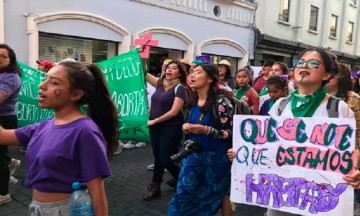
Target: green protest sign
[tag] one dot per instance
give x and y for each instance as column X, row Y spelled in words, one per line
column 125, row 79
column 126, row 82
column 28, row 110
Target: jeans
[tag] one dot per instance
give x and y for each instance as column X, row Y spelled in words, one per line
column 165, row 141
column 7, row 122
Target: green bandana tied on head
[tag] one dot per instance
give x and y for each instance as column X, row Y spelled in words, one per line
column 264, row 91
column 241, row 92
column 306, row 105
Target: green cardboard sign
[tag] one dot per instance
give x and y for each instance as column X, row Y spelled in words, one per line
column 28, row 110
column 125, row 79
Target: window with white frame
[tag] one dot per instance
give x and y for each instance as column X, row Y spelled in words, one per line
column 349, row 36
column 314, row 12
column 54, row 47
column 333, row 25
column 284, row 10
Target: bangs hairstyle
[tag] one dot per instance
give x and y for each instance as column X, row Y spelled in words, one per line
column 213, row 72
column 182, row 71
column 329, row 60
column 247, row 71
column 284, row 68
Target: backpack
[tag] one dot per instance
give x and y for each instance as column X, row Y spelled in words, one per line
column 332, row 106
column 240, row 107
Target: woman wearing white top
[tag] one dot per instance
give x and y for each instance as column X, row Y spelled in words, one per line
column 313, row 69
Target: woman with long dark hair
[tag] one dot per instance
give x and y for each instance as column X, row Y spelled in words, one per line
column 313, row 70
column 165, row 123
column 340, row 86
column 71, row 146
column 9, row 91
column 204, row 180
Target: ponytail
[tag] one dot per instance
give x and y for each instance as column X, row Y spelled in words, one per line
column 102, row 110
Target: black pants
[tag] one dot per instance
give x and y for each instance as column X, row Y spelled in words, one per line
column 7, row 122
column 165, row 141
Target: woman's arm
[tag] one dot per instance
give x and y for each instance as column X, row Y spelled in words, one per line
column 175, row 109
column 153, row 80
column 98, row 196
column 225, row 112
column 8, row 137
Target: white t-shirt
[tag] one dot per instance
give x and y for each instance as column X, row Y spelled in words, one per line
column 344, row 110
column 150, row 91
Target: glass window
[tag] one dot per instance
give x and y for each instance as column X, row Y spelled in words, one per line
column 217, row 58
column 353, row 2
column 58, row 47
column 284, row 10
column 350, row 29
column 333, row 25
column 158, row 55
column 314, row 11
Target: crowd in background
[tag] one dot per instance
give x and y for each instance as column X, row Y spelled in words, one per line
column 192, row 103
column 316, row 79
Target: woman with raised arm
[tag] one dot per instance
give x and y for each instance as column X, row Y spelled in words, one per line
column 165, row 123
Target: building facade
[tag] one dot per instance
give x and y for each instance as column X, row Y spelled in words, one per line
column 286, row 27
column 91, row 31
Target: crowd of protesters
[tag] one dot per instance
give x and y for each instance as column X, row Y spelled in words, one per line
column 192, row 104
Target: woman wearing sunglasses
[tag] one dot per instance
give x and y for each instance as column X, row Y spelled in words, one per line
column 313, row 69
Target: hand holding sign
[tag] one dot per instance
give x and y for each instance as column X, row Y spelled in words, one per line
column 145, row 43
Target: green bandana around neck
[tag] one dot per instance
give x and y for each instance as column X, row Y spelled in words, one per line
column 271, row 103
column 306, row 105
column 241, row 92
column 264, row 91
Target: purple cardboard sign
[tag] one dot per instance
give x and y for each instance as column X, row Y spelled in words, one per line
column 204, row 58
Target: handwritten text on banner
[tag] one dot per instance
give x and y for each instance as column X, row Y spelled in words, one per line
column 294, row 164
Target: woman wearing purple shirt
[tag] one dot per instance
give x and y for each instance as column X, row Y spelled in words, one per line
column 165, row 123
column 71, row 146
column 9, row 91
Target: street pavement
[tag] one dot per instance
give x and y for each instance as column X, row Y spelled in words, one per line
column 124, row 188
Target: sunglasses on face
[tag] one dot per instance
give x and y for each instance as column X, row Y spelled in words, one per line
column 312, row 64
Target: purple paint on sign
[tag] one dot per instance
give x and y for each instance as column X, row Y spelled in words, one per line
column 293, row 192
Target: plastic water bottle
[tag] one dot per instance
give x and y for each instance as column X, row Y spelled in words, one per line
column 80, row 202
